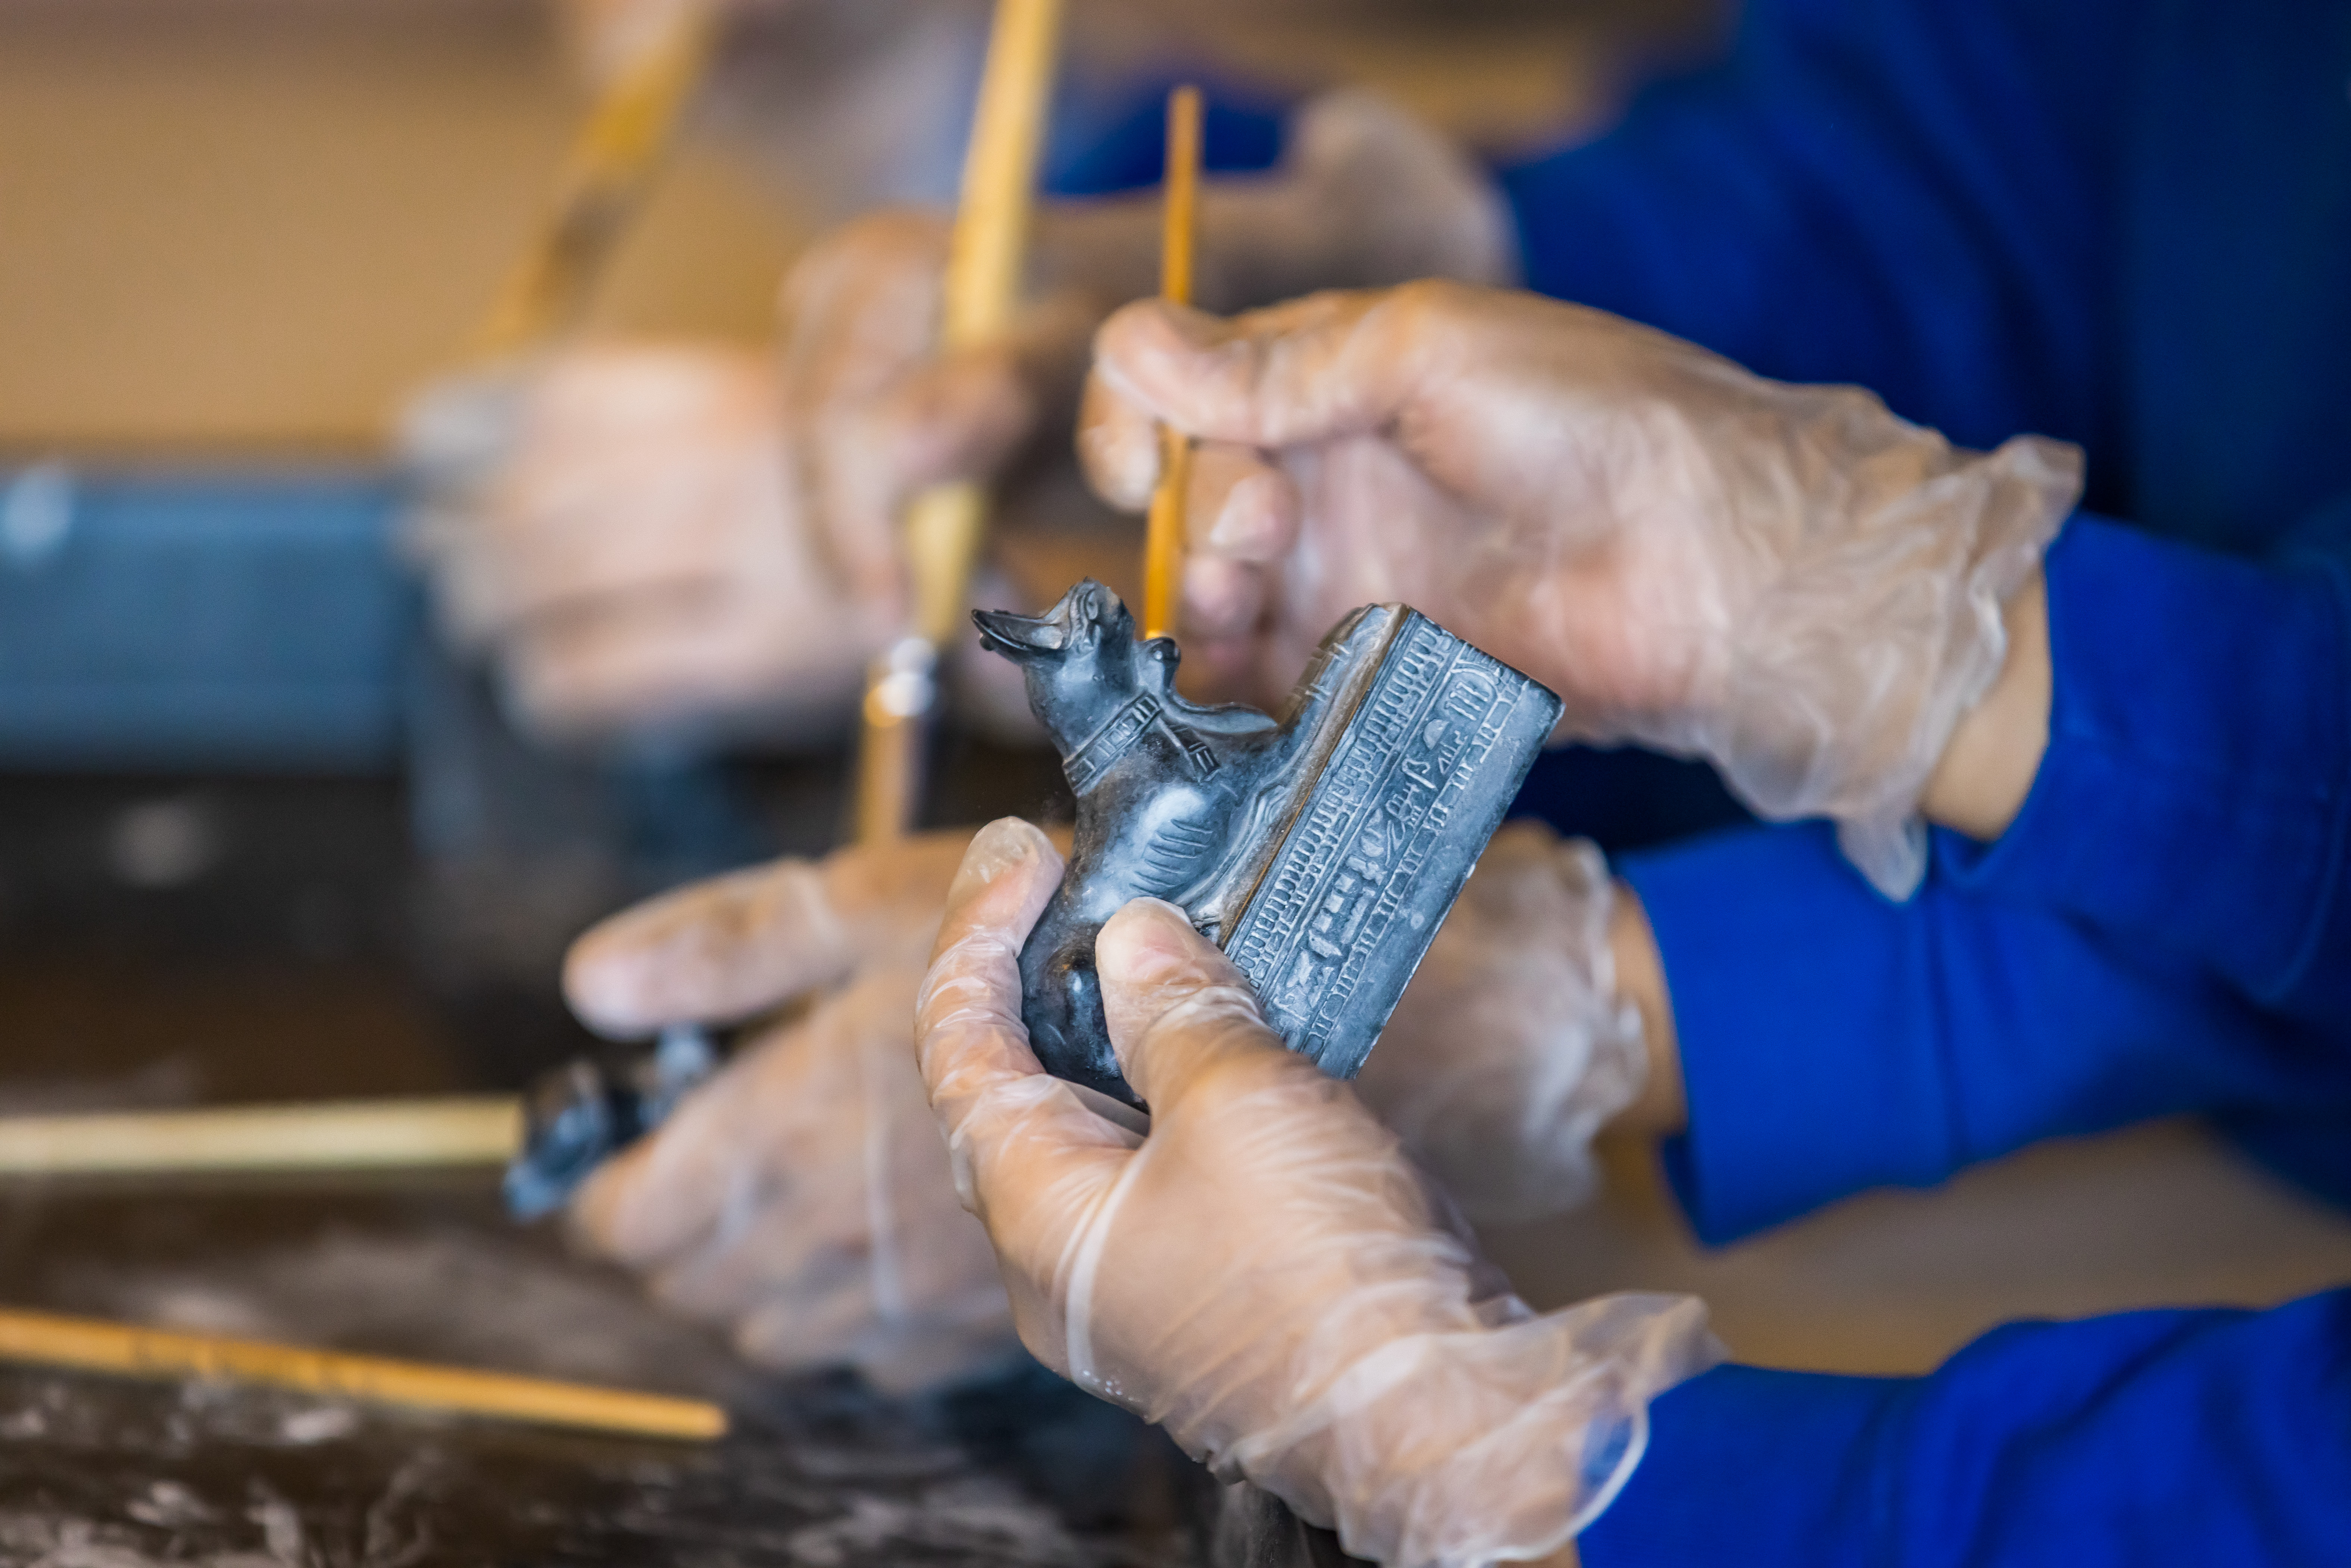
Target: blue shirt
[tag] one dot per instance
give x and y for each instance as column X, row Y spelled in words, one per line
column 2129, row 226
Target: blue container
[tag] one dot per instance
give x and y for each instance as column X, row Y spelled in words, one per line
column 233, row 622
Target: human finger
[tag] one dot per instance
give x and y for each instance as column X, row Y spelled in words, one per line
column 1307, row 370
column 1243, row 507
column 1178, row 1009
column 665, row 1194
column 1118, row 446
column 662, row 527
column 1329, row 365
column 713, row 952
column 684, row 654
column 960, row 418
column 967, row 1029
column 1027, row 1150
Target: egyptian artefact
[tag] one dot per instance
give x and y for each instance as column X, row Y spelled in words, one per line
column 1320, row 851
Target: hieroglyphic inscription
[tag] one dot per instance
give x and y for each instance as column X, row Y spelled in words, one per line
column 1376, row 857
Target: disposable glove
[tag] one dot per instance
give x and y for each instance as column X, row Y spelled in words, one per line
column 1364, row 195
column 1786, row 580
column 1512, row 1047
column 794, row 1199
column 1262, row 1270
column 621, row 530
column 680, row 537
column 802, row 1196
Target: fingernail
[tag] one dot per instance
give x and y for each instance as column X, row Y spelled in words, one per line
column 996, row 849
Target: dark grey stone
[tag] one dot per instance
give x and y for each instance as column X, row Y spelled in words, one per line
column 1320, row 851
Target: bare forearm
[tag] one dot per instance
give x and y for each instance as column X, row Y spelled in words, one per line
column 1661, row 1111
column 1989, row 766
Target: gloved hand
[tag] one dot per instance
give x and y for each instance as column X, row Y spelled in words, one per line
column 623, row 532
column 678, row 535
column 1787, row 580
column 1263, row 1271
column 1364, row 195
column 1512, row 1046
column 803, row 1195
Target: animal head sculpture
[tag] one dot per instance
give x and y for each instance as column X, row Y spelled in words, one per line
column 1081, row 660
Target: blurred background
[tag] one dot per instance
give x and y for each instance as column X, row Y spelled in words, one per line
column 241, row 234
column 255, row 226
column 259, row 842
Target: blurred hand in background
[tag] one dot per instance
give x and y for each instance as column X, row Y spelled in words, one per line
column 676, row 536
column 802, row 1198
column 633, row 550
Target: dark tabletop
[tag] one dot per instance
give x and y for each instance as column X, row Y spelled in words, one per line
column 266, row 947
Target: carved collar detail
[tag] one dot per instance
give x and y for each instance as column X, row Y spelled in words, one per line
column 1104, row 749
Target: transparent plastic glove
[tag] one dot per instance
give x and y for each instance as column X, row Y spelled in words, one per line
column 1263, row 1271
column 1787, row 580
column 1365, row 194
column 875, row 411
column 623, row 534
column 1512, row 1047
column 802, row 1196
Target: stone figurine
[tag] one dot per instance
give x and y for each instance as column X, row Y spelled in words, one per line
column 1320, row 851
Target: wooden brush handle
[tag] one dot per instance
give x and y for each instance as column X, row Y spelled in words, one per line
column 1163, row 547
column 945, row 525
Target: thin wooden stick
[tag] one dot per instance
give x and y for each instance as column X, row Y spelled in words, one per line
column 42, row 1338
column 1163, row 550
column 358, row 1135
column 610, row 164
column 945, row 525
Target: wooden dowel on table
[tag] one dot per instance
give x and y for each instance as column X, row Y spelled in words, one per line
column 945, row 525
column 360, row 1135
column 91, row 1344
column 1163, row 550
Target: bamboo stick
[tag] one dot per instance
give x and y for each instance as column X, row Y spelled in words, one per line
column 604, row 177
column 1163, row 550
column 91, row 1344
column 945, row 525
column 466, row 1130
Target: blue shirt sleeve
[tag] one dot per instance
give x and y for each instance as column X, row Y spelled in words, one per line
column 2195, row 798
column 2164, row 929
column 2169, row 1437
column 1832, row 1041
column 1917, row 198
column 1109, row 137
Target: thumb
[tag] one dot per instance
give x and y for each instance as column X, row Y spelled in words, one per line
column 1176, row 1006
column 968, row 1036
column 1024, row 1146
